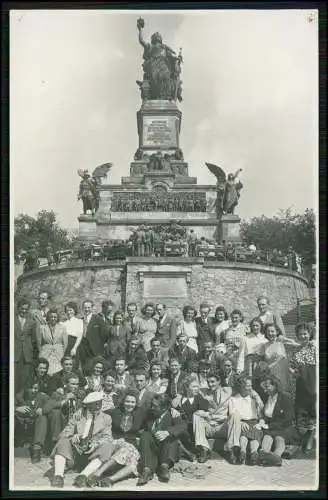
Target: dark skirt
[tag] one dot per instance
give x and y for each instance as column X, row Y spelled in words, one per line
column 70, row 344
column 305, row 400
column 252, row 433
column 288, row 434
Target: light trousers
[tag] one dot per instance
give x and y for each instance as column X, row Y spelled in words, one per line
column 230, row 430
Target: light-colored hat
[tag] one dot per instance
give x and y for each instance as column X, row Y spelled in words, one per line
column 93, row 397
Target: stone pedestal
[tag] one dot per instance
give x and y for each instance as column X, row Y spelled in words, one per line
column 159, row 124
column 230, row 228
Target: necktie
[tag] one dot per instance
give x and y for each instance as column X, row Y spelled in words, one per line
column 85, row 326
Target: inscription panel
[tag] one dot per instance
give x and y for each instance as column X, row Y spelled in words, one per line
column 159, row 131
column 165, row 286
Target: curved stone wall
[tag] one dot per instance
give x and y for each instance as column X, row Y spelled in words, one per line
column 220, row 283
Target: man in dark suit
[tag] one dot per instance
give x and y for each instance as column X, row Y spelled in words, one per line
column 209, row 354
column 107, row 313
column 176, row 382
column 24, row 344
column 228, row 374
column 60, row 379
column 204, row 325
column 166, row 327
column 159, row 446
column 132, row 319
column 158, row 354
column 185, row 354
column 145, row 396
column 136, row 356
column 192, row 402
column 94, row 334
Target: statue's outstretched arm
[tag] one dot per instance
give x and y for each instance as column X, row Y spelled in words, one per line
column 237, row 173
column 141, row 39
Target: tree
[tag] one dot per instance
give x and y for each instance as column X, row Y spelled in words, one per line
column 282, row 231
column 42, row 230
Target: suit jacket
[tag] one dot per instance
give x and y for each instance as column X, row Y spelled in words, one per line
column 206, row 331
column 228, row 381
column 137, row 360
column 187, row 357
column 283, row 413
column 162, row 358
column 44, row 383
column 130, row 435
column 102, row 429
column 96, row 335
column 59, row 379
column 146, row 399
column 25, row 340
column 132, row 329
column 214, row 358
column 173, row 391
column 175, row 426
column 167, row 331
column 187, row 410
column 55, row 400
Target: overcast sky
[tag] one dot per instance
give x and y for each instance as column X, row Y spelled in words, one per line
column 250, row 101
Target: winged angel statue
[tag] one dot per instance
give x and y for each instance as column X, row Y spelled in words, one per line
column 227, row 189
column 88, row 191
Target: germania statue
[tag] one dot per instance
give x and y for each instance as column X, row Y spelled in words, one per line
column 162, row 68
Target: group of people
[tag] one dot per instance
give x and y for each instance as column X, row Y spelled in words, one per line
column 120, row 394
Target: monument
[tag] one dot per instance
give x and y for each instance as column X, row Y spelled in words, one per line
column 159, row 189
column 154, row 207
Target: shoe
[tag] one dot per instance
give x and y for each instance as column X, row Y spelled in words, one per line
column 164, row 473
column 268, row 459
column 81, row 481
column 57, row 482
column 145, row 476
column 203, row 456
column 231, row 457
column 93, row 481
column 105, row 483
column 242, row 458
column 35, row 454
column 254, row 458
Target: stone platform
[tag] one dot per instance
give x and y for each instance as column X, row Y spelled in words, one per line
column 177, row 281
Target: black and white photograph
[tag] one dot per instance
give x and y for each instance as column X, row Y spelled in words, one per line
column 164, row 220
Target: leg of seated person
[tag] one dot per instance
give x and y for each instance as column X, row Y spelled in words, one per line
column 92, row 467
column 125, row 472
column 243, row 442
column 266, row 443
column 279, row 445
column 56, row 423
column 59, row 465
column 199, row 428
column 168, row 452
column 254, row 445
column 40, row 430
column 148, row 451
column 233, row 431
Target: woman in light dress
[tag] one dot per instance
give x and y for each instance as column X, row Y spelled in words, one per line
column 74, row 328
column 250, row 350
column 147, row 325
column 52, row 341
column 275, row 355
column 221, row 321
column 188, row 326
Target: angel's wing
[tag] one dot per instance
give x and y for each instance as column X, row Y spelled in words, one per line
column 80, row 172
column 102, row 170
column 217, row 171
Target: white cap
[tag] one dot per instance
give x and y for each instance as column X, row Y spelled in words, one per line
column 93, row 397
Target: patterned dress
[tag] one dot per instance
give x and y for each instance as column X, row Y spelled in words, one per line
column 304, row 361
column 52, row 344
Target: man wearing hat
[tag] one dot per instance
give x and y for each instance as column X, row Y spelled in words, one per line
column 86, row 439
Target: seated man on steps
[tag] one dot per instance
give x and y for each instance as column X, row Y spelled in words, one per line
column 159, row 444
column 87, row 439
column 29, row 417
